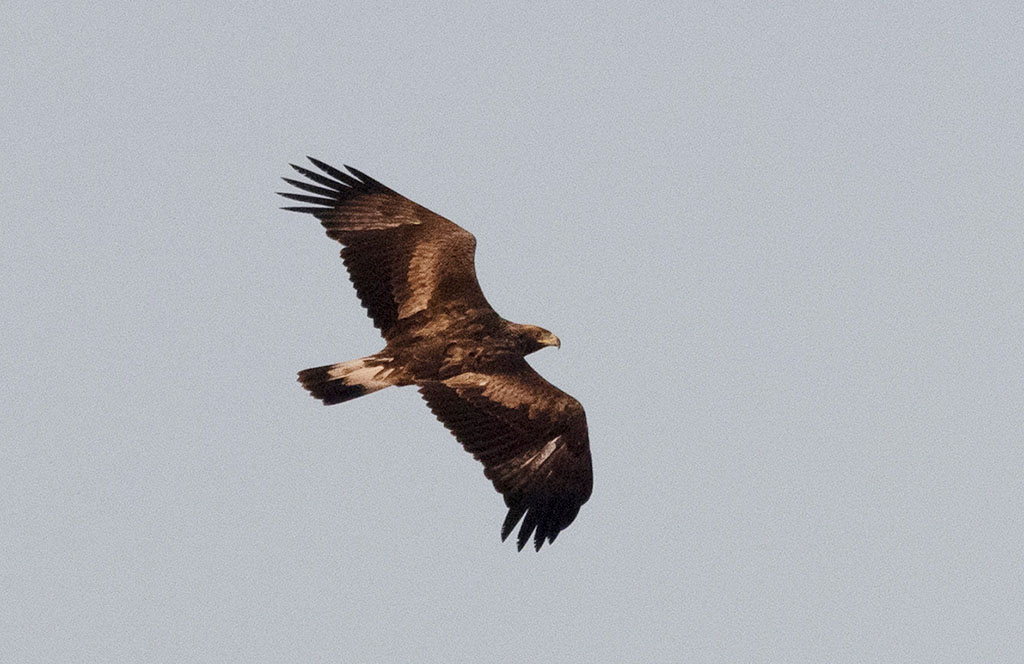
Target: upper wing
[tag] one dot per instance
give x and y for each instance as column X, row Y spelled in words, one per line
column 531, row 438
column 401, row 257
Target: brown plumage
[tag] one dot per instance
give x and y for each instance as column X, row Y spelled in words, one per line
column 413, row 271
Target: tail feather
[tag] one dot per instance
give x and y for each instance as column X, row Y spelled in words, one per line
column 336, row 383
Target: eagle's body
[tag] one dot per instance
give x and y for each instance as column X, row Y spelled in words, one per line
column 413, row 271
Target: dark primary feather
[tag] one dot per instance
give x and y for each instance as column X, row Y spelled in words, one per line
column 531, row 438
column 312, row 188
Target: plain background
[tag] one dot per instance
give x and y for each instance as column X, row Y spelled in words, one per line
column 782, row 244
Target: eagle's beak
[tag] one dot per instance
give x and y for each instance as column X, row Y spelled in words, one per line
column 552, row 340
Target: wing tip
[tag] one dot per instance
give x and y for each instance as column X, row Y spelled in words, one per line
column 342, row 181
column 331, row 187
column 539, row 527
column 541, row 522
column 511, row 519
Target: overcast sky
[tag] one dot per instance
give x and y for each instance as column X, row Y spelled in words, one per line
column 783, row 247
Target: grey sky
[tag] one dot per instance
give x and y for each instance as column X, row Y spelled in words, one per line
column 782, row 245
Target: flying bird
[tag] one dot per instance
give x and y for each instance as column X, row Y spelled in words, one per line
column 413, row 271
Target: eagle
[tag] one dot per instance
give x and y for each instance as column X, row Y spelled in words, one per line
column 413, row 271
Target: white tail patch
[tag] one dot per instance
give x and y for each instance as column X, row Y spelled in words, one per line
column 370, row 377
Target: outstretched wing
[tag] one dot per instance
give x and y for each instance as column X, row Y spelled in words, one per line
column 531, row 438
column 401, row 257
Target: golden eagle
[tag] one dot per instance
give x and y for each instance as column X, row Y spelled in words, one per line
column 413, row 272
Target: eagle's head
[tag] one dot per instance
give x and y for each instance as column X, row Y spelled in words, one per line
column 531, row 338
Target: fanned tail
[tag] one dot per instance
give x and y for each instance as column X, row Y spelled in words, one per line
column 336, row 383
